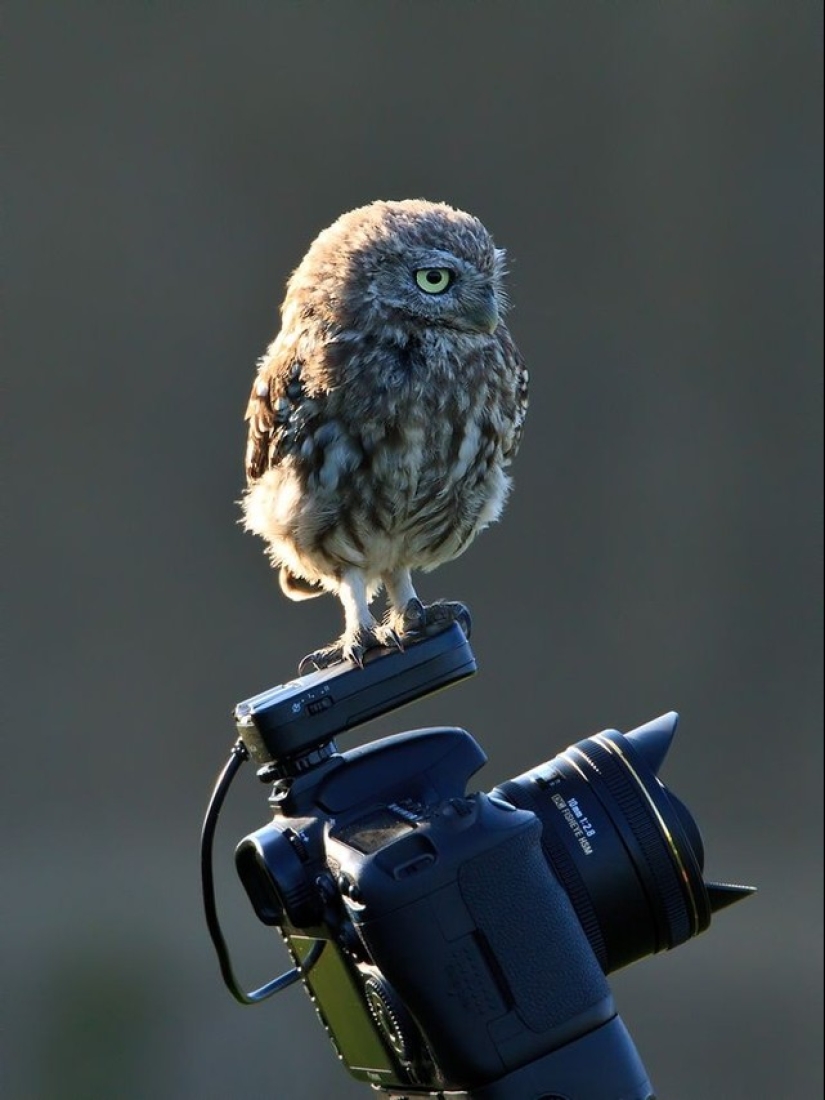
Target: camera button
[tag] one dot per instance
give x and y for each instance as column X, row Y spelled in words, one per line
column 349, row 888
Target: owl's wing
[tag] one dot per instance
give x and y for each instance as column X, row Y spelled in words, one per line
column 260, row 418
column 281, row 414
column 276, row 392
column 521, row 396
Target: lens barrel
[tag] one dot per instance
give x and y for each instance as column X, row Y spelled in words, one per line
column 628, row 853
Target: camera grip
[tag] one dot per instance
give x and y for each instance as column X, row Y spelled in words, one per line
column 532, row 931
column 602, row 1065
column 490, row 958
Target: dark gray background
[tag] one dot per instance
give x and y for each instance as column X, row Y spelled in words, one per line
column 655, row 171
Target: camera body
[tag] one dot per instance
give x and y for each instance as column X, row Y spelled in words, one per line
column 440, row 909
column 457, row 944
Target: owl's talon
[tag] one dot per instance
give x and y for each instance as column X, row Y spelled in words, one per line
column 464, row 619
column 355, row 654
column 422, row 621
column 392, row 630
column 334, row 654
column 320, row 659
column 413, row 618
column 350, row 649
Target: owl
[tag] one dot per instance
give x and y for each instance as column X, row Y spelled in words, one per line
column 384, row 417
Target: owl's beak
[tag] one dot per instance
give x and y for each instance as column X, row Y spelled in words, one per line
column 482, row 314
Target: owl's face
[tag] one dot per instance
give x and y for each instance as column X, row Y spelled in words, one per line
column 396, row 267
column 438, row 287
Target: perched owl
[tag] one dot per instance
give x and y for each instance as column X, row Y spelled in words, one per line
column 384, row 416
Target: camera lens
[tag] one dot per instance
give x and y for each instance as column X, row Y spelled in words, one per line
column 626, row 850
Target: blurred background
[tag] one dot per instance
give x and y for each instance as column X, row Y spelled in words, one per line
column 655, row 172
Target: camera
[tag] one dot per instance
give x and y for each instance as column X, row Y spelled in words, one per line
column 453, row 944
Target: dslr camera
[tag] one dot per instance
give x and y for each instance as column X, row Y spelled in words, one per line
column 457, row 945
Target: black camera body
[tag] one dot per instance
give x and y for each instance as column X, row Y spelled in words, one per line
column 457, row 944
column 441, row 908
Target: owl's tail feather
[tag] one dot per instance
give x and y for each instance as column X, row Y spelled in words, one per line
column 297, row 588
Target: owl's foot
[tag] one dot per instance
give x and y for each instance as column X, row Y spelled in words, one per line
column 351, row 648
column 418, row 620
column 415, row 622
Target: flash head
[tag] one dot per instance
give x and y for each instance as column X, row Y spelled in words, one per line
column 290, row 728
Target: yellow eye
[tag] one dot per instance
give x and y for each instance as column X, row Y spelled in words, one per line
column 433, row 280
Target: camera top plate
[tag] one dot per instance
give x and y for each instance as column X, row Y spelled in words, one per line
column 302, row 714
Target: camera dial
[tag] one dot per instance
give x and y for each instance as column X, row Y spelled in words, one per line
column 392, row 1018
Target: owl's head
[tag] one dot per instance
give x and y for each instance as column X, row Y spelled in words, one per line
column 391, row 268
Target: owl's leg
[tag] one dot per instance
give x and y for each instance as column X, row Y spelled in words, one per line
column 400, row 595
column 410, row 619
column 361, row 631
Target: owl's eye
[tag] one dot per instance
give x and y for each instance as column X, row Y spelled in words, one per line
column 433, row 280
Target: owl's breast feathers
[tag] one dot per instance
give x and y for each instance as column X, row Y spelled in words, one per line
column 378, row 394
column 407, row 442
